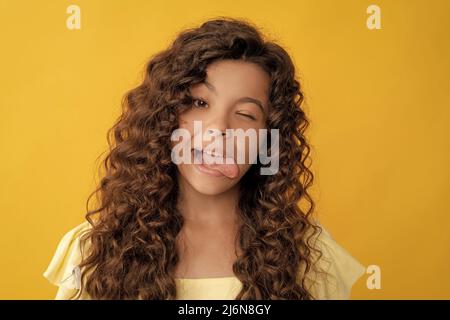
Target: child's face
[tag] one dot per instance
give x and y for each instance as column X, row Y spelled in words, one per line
column 218, row 107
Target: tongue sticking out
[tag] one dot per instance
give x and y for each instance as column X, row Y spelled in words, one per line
column 226, row 166
column 228, row 170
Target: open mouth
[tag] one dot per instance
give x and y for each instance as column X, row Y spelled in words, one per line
column 211, row 156
column 215, row 164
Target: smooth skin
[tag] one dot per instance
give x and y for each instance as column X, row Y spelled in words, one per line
column 209, row 204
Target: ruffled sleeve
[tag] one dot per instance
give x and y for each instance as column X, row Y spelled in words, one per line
column 336, row 270
column 63, row 270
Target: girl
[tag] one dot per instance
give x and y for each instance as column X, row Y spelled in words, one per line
column 165, row 230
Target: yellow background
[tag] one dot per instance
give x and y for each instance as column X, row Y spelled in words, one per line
column 378, row 102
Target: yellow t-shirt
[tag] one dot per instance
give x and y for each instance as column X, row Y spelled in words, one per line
column 341, row 267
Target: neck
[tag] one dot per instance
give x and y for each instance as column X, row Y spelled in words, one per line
column 207, row 210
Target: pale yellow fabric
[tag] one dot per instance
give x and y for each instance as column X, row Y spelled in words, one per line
column 342, row 271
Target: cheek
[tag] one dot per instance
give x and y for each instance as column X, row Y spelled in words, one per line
column 183, row 122
column 243, row 168
column 250, row 147
column 190, row 116
column 186, row 121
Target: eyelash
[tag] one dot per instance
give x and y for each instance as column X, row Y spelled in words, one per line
column 247, row 116
column 197, row 99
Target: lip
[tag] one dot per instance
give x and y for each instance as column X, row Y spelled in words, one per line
column 212, row 154
column 203, row 169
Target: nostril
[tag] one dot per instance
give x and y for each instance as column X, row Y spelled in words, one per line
column 216, row 132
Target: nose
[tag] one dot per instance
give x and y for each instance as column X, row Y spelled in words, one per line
column 217, row 127
column 216, row 132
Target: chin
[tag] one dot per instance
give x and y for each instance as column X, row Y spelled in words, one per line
column 204, row 183
column 209, row 189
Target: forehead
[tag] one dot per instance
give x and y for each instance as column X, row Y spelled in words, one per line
column 236, row 78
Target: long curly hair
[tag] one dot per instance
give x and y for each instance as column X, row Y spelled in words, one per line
column 134, row 226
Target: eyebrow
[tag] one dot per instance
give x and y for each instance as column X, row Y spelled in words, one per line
column 240, row 100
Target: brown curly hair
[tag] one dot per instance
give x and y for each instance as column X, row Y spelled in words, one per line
column 132, row 252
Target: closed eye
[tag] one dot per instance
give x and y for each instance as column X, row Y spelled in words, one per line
column 247, row 115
